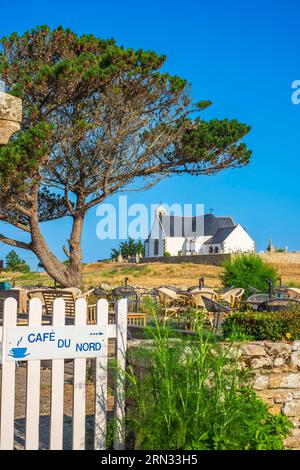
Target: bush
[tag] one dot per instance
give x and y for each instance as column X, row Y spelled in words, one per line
column 167, row 253
column 193, row 396
column 245, row 270
column 274, row 326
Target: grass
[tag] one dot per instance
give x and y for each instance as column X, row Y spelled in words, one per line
column 156, row 274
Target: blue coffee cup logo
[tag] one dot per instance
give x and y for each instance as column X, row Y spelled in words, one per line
column 18, row 353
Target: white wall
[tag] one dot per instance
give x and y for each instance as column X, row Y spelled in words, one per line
column 175, row 244
column 239, row 241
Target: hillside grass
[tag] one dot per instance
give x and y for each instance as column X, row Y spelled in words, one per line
column 156, row 274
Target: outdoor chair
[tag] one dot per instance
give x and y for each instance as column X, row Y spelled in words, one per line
column 278, row 305
column 171, row 303
column 233, row 296
column 146, row 296
column 129, row 293
column 225, row 289
column 253, row 290
column 214, row 310
column 293, row 292
column 197, row 297
column 48, row 296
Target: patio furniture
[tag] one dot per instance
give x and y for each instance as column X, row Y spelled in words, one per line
column 253, row 290
column 146, row 295
column 214, row 310
column 171, row 302
column 233, row 296
column 48, row 296
column 293, row 293
column 255, row 300
column 133, row 319
column 225, row 289
column 195, row 290
column 129, row 293
column 278, row 305
column 197, row 297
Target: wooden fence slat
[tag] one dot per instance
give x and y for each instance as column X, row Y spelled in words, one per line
column 33, row 384
column 57, row 385
column 121, row 346
column 8, row 383
column 78, row 440
column 101, row 382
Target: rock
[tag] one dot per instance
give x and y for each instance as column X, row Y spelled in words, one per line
column 295, row 358
column 279, row 349
column 279, row 361
column 291, row 381
column 253, row 349
column 295, row 421
column 296, row 394
column 283, row 397
column 284, row 381
column 260, row 382
column 260, row 362
column 296, row 346
column 295, row 432
column 292, row 442
column 275, row 381
column 291, row 408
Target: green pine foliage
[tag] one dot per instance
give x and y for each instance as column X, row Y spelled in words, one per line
column 15, row 264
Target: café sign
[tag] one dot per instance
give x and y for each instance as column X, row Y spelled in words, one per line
column 23, row 343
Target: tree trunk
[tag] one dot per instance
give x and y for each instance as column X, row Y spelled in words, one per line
column 75, row 267
column 68, row 276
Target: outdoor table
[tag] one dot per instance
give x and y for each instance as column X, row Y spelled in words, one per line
column 251, row 303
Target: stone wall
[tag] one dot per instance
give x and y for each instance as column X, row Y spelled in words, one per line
column 276, row 369
column 213, row 259
column 276, row 377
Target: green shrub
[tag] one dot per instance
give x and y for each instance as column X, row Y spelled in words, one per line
column 245, row 270
column 167, row 253
column 273, row 326
column 192, row 395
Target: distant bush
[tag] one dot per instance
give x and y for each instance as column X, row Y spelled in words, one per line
column 15, row 264
column 245, row 270
column 274, row 326
column 167, row 253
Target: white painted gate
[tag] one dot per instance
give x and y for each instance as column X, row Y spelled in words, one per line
column 7, row 418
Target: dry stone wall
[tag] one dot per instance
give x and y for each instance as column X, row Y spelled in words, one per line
column 276, row 379
column 275, row 376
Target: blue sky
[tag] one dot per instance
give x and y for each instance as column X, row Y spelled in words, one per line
column 243, row 56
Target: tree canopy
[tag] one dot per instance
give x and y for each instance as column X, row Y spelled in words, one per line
column 98, row 118
column 128, row 248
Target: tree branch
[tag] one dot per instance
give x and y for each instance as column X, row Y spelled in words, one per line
column 16, row 243
column 16, row 224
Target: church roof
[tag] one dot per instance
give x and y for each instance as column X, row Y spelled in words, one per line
column 189, row 227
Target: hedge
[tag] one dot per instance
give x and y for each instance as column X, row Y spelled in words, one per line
column 263, row 325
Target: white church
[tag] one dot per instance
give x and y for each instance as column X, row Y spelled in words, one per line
column 204, row 234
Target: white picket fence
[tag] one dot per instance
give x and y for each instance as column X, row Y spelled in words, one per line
column 7, row 406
